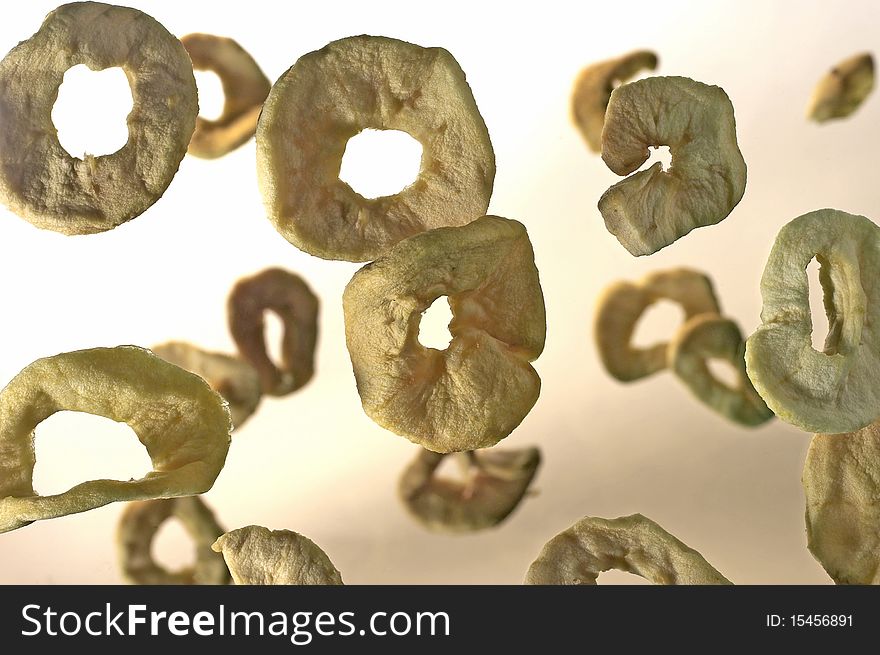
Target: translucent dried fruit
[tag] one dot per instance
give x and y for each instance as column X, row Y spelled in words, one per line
column 332, row 94
column 843, row 89
column 842, row 486
column 138, row 526
column 235, row 380
column 495, row 483
column 474, row 393
column 181, row 421
column 634, row 544
column 50, row 188
column 707, row 178
column 593, row 88
column 834, row 390
column 711, row 337
column 257, row 556
column 287, row 295
column 623, row 303
column 245, row 87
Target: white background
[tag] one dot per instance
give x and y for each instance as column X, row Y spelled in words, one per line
column 313, row 462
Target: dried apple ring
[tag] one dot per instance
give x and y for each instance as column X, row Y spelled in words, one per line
column 707, row 178
column 332, row 94
column 237, row 381
column 593, row 88
column 842, row 484
column 138, row 525
column 474, row 393
column 712, row 337
column 496, row 481
column 245, row 87
column 634, row 544
column 834, row 390
column 623, row 303
column 843, row 89
column 44, row 184
column 257, row 556
column 181, row 421
column 287, row 295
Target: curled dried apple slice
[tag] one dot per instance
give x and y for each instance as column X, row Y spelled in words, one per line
column 843, row 89
column 651, row 209
column 258, row 556
column 709, row 337
column 834, row 390
column 621, row 306
column 593, row 88
column 842, row 484
column 495, row 482
column 138, row 526
column 476, row 391
column 633, row 544
column 181, row 421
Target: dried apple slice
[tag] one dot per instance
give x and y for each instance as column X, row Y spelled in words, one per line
column 258, row 556
column 181, row 421
column 651, row 209
column 474, row 393
column 633, row 544
column 593, row 88
column 495, row 482
column 711, row 337
column 834, row 390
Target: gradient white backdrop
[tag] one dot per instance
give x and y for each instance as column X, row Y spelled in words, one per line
column 313, row 462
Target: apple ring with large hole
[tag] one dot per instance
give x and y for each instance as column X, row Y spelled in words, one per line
column 842, row 485
column 843, row 89
column 370, row 82
column 593, row 88
column 496, row 480
column 651, row 209
column 835, row 390
column 245, row 87
column 50, row 188
column 621, row 306
column 707, row 337
column 634, row 544
column 258, row 556
column 289, row 297
column 476, row 391
column 181, row 421
column 236, row 380
column 138, row 525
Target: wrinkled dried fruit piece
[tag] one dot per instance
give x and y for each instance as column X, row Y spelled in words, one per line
column 634, row 544
column 287, row 295
column 623, row 303
column 835, row 390
column 593, row 88
column 332, row 94
column 257, row 556
column 181, row 421
column 44, row 184
column 245, row 87
column 843, row 89
column 474, row 393
column 842, row 484
column 707, row 178
column 495, row 483
column 138, row 525
column 711, row 337
column 235, row 380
